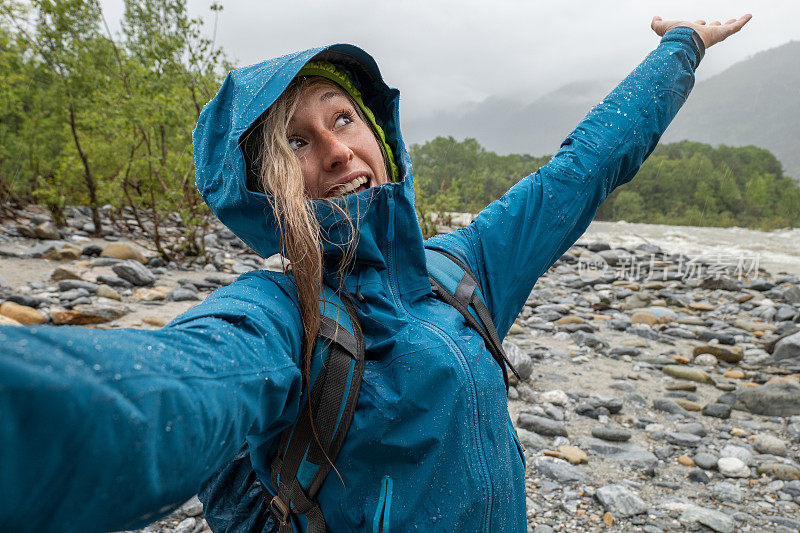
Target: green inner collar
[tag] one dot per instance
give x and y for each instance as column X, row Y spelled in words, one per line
column 339, row 77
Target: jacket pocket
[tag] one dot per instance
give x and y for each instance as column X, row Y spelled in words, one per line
column 380, row 522
column 514, row 436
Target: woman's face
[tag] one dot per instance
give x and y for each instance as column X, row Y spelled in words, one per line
column 337, row 151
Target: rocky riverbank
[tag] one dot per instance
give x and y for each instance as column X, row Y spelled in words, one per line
column 660, row 392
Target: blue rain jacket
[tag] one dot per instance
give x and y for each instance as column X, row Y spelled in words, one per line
column 107, row 430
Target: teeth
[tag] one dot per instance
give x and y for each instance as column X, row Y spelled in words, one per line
column 347, row 188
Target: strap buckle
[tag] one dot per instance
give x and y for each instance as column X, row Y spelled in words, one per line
column 280, row 511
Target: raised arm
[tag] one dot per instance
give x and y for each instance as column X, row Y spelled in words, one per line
column 518, row 237
column 108, row 430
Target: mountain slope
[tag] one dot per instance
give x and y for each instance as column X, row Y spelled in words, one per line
column 755, row 101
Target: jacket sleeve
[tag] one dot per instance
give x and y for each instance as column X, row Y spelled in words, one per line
column 109, row 430
column 517, row 238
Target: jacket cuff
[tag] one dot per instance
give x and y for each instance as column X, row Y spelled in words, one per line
column 686, row 35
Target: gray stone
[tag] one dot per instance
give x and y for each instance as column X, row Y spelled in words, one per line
column 685, row 440
column 732, row 467
column 764, row 443
column 698, row 476
column 186, row 525
column 716, row 520
column 783, row 471
column 668, row 406
column 221, row 279
column 774, row 399
column 743, row 454
column 583, row 338
column 558, row 469
column 182, row 295
column 726, row 491
column 620, row 501
column 73, row 294
column 705, row 460
column 792, row 294
column 530, row 440
column 134, row 272
column 787, row 351
column 113, row 281
column 46, row 231
column 193, row 507
column 717, row 410
column 69, row 284
column 792, row 488
column 709, row 334
column 695, row 428
column 623, row 386
column 612, row 434
column 522, row 361
column 627, row 453
column 541, row 425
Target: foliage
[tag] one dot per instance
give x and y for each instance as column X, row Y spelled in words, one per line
column 92, row 118
column 682, row 183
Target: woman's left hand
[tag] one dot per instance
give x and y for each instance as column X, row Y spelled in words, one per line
column 710, row 33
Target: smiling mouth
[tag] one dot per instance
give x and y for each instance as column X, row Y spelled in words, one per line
column 358, row 184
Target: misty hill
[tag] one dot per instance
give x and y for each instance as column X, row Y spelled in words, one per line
column 754, row 102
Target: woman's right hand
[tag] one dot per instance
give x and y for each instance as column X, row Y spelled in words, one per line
column 711, row 34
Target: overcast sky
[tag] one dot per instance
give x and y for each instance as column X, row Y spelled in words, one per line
column 440, row 53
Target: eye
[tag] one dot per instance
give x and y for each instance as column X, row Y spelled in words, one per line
column 295, row 143
column 343, row 118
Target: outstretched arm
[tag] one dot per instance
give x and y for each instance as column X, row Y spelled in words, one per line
column 109, row 430
column 518, row 237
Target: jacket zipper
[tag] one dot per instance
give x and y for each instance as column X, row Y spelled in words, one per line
column 453, row 346
column 380, row 522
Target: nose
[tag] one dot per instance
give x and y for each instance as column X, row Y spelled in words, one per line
column 336, row 154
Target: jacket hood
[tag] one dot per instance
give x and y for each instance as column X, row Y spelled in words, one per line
column 222, row 168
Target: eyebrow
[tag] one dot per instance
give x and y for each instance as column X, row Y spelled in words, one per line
column 328, row 95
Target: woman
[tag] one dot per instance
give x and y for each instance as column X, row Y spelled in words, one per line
column 110, row 429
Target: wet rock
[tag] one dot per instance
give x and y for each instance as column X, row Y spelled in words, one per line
column 193, row 507
column 559, row 470
column 133, row 272
column 732, row 467
column 26, row 300
column 684, row 440
column 782, row 471
column 520, row 360
column 46, row 231
column 185, row 295
column 717, row 410
column 21, row 313
column 721, row 337
column 573, row 454
column 733, row 354
column 61, row 273
column 620, row 501
column 772, row 399
column 64, row 253
column 787, row 351
column 626, row 453
column 5, row 321
column 530, row 440
column 726, row 491
column 765, row 443
column 72, row 284
column 688, row 373
column 668, row 406
column 87, row 314
column 91, row 251
column 124, row 251
column 583, row 338
column 556, row 397
column 113, row 281
column 541, row 425
column 715, row 520
column 705, row 460
column 104, row 291
column 611, row 434
column 698, row 476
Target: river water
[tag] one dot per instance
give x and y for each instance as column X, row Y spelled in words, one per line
column 776, row 251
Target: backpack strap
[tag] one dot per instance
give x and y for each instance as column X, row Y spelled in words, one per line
column 301, row 465
column 454, row 283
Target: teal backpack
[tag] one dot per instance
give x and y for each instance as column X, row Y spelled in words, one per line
column 234, row 499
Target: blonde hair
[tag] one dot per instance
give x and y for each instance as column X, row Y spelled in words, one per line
column 301, row 239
